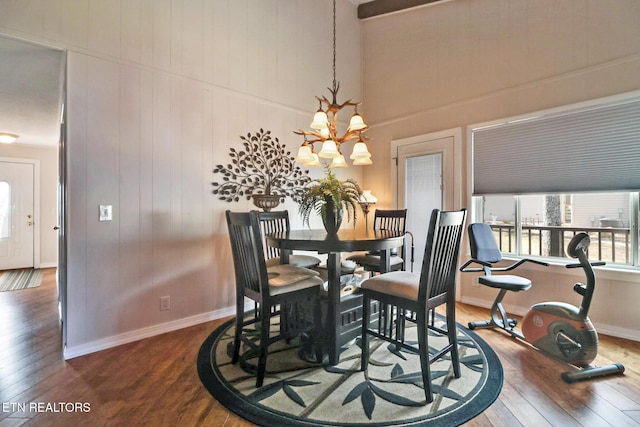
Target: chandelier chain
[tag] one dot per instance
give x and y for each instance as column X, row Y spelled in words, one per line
column 334, row 44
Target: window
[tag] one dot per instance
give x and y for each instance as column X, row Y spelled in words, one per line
column 540, row 179
column 543, row 225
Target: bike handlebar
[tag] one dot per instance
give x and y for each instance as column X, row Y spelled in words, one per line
column 593, row 264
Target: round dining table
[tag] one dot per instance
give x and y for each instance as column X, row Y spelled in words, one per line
column 340, row 327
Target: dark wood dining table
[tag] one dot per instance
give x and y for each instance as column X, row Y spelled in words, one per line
column 346, row 240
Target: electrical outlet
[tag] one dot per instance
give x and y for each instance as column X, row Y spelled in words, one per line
column 165, row 303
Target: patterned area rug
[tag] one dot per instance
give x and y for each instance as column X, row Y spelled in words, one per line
column 390, row 393
column 14, row 280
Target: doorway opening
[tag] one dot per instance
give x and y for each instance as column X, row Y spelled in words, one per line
column 33, row 83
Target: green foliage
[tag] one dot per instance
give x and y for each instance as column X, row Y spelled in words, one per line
column 262, row 167
column 330, row 192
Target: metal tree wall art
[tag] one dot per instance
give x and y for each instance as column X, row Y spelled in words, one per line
column 263, row 169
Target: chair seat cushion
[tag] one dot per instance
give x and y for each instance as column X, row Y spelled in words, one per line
column 373, row 260
column 506, row 281
column 285, row 278
column 399, row 283
column 306, row 261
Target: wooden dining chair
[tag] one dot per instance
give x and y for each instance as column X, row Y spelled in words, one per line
column 278, row 221
column 270, row 288
column 394, row 220
column 410, row 297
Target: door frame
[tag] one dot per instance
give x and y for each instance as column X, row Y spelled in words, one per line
column 455, row 151
column 61, row 271
column 36, row 202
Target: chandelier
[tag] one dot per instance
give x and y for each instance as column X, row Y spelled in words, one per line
column 324, row 128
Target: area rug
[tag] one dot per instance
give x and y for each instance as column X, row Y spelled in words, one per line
column 15, row 280
column 390, row 393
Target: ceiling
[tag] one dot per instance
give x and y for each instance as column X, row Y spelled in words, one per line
column 31, row 91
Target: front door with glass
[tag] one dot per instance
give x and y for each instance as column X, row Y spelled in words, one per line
column 16, row 215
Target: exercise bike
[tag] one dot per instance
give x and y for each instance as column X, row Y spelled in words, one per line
column 562, row 330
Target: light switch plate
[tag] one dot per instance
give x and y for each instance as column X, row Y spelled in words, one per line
column 105, row 213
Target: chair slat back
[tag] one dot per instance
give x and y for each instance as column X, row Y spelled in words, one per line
column 248, row 255
column 273, row 222
column 394, row 220
column 390, row 220
column 440, row 263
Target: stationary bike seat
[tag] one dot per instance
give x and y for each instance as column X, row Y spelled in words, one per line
column 506, row 281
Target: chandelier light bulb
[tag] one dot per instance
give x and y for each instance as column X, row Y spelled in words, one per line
column 338, row 162
column 360, row 151
column 320, row 120
column 329, row 150
column 356, row 123
column 313, row 163
column 362, row 161
column 304, row 154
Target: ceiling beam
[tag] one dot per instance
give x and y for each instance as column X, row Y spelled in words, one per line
column 380, row 7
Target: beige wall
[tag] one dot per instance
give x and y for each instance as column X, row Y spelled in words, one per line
column 462, row 62
column 48, row 159
column 158, row 91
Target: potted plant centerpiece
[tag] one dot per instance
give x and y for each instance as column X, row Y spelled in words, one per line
column 263, row 170
column 330, row 197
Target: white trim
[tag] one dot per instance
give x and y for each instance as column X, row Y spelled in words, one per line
column 48, row 265
column 71, row 352
column 36, row 203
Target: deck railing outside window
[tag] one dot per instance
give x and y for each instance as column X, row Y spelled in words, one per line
column 607, row 244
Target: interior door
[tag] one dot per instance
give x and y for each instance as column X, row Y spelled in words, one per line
column 425, row 169
column 16, row 215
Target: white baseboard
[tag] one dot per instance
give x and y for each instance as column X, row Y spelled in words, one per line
column 615, row 331
column 47, row 265
column 602, row 328
column 116, row 340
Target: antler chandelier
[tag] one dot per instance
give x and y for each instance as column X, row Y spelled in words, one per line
column 325, row 130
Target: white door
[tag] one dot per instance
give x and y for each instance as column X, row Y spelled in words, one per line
column 16, row 215
column 425, row 173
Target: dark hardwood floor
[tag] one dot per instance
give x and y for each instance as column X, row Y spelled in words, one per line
column 154, row 382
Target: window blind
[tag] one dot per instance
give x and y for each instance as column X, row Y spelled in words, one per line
column 591, row 150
